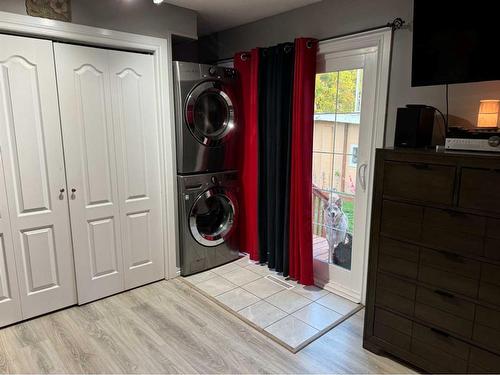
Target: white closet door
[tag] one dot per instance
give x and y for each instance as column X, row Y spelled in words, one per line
column 86, row 116
column 10, row 305
column 31, row 146
column 136, row 131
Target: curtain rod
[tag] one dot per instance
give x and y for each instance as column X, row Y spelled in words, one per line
column 396, row 24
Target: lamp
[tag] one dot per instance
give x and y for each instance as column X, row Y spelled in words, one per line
column 488, row 114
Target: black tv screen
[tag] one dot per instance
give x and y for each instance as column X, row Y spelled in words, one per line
column 455, row 42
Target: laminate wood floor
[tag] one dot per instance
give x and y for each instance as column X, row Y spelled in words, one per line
column 168, row 327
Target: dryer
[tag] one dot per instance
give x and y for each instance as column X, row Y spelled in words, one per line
column 206, row 117
column 208, row 220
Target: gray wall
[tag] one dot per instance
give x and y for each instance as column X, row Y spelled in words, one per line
column 334, row 17
column 134, row 16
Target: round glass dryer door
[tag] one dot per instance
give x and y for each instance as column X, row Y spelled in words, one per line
column 212, row 216
column 209, row 113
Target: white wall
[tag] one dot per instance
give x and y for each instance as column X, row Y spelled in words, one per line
column 334, row 17
column 134, row 16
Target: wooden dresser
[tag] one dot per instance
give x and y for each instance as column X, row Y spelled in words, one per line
column 434, row 270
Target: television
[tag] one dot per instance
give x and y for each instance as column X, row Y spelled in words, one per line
column 455, row 42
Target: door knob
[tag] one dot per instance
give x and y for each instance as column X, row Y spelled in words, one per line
column 73, row 190
column 73, row 195
column 61, row 193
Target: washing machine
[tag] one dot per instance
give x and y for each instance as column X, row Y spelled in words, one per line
column 206, row 114
column 208, row 220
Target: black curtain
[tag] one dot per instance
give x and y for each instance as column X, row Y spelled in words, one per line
column 276, row 73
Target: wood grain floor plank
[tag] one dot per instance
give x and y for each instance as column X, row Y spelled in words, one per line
column 168, row 327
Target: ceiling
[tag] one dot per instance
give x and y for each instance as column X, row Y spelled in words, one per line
column 218, row 15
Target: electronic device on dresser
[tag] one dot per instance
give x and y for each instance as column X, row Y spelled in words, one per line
column 433, row 287
column 206, row 112
column 414, row 126
column 476, row 139
column 208, row 217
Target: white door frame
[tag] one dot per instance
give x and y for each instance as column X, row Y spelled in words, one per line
column 380, row 42
column 161, row 50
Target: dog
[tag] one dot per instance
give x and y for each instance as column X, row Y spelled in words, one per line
column 337, row 224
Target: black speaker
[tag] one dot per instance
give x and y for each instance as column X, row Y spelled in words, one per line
column 414, row 126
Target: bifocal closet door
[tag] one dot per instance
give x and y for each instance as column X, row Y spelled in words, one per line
column 136, row 133
column 86, row 115
column 31, row 147
column 10, row 305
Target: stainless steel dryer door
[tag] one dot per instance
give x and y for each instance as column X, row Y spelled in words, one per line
column 209, row 113
column 212, row 216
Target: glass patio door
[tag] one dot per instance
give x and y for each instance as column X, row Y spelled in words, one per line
column 343, row 132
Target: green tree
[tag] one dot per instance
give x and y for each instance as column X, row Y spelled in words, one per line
column 336, row 92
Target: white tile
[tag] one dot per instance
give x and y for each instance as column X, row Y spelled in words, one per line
column 237, row 299
column 292, row 331
column 262, row 314
column 200, row 277
column 261, row 269
column 226, row 268
column 317, row 316
column 244, row 262
column 241, row 276
column 216, row 285
column 310, row 291
column 336, row 303
column 263, row 287
column 288, row 301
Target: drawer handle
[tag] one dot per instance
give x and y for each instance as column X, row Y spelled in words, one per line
column 444, row 294
column 421, row 166
column 453, row 257
column 439, row 332
column 454, row 213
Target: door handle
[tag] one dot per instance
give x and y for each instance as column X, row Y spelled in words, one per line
column 73, row 195
column 61, row 193
column 362, row 175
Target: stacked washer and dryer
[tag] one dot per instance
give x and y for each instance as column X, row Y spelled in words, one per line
column 207, row 177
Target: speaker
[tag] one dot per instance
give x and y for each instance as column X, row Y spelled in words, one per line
column 414, row 126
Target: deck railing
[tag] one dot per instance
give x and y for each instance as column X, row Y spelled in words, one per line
column 319, row 201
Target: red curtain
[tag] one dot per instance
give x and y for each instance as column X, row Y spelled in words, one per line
column 301, row 255
column 247, row 64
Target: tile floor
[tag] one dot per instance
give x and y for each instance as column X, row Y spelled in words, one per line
column 292, row 314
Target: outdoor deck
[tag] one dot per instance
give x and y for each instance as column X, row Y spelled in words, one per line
column 320, row 248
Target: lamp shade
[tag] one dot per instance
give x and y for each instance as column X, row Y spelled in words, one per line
column 488, row 114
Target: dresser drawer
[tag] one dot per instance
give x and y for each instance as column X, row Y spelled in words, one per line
column 489, row 289
column 449, row 271
column 453, row 231
column 395, row 294
column 492, row 240
column 482, row 361
column 441, row 341
column 446, row 302
column 443, row 319
column 478, row 189
column 431, row 351
column 487, row 328
column 398, row 257
column 419, row 181
column 401, row 220
column 392, row 328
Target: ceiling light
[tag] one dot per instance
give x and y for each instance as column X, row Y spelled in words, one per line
column 157, row 1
